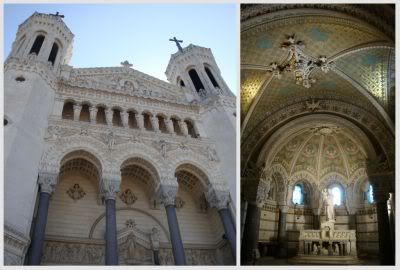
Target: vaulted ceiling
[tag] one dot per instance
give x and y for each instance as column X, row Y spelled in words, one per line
column 356, row 49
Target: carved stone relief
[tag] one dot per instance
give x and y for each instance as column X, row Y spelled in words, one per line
column 76, row 192
column 128, row 197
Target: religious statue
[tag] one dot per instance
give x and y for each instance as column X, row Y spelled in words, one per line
column 328, row 199
column 315, row 249
column 131, row 247
column 155, row 238
column 110, row 140
column 163, row 149
column 336, row 249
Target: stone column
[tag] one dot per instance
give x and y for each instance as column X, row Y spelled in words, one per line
column 183, row 127
column 47, row 183
column 381, row 185
column 109, row 116
column 93, row 113
column 77, row 111
column 109, row 189
column 125, row 118
column 220, row 200
column 139, row 120
column 352, row 221
column 257, row 192
column 170, row 126
column 316, row 218
column 168, row 195
column 282, row 237
column 155, row 124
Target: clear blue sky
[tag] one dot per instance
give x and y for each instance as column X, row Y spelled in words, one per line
column 107, row 34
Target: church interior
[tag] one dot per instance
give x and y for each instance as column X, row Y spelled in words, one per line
column 317, row 134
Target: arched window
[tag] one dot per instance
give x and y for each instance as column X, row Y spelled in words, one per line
column 298, row 194
column 68, row 111
column 37, row 45
column 181, row 83
column 161, row 124
column 147, row 121
column 132, row 120
column 370, row 194
column 211, row 76
column 191, row 130
column 85, row 114
column 337, row 195
column 175, row 124
column 196, row 80
column 116, row 120
column 101, row 116
column 53, row 53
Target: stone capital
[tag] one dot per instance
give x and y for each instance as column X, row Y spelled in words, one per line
column 47, row 182
column 110, row 187
column 167, row 193
column 283, row 208
column 217, row 198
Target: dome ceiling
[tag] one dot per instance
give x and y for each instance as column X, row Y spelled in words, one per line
column 361, row 55
column 321, row 151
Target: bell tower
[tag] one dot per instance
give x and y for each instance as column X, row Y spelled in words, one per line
column 196, row 72
column 42, row 45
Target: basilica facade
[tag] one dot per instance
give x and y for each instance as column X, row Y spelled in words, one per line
column 317, row 134
column 112, row 166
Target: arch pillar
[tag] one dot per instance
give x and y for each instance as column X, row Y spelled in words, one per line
column 47, row 182
column 93, row 113
column 381, row 183
column 77, row 111
column 256, row 192
column 220, row 199
column 167, row 193
column 109, row 188
column 282, row 235
column 170, row 126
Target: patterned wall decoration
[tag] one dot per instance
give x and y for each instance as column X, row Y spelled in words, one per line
column 251, row 81
column 286, row 90
column 369, row 68
column 321, row 151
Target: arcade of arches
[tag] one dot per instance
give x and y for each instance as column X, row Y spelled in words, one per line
column 317, row 133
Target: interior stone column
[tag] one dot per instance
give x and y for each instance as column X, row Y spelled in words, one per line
column 169, row 125
column 77, row 111
column 316, row 218
column 282, row 236
column 93, row 113
column 155, row 124
column 353, row 221
column 125, row 118
column 109, row 116
column 381, row 196
column 220, row 200
column 109, row 189
column 256, row 192
column 168, row 195
column 47, row 183
column 139, row 120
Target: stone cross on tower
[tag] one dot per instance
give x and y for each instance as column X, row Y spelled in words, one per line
column 57, row 15
column 177, row 43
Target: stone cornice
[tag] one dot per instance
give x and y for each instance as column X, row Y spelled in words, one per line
column 31, row 64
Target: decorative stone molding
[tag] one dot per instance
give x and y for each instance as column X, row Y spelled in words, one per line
column 217, row 198
column 110, row 187
column 168, row 193
column 15, row 246
column 76, row 192
column 128, row 197
column 47, row 182
column 179, row 203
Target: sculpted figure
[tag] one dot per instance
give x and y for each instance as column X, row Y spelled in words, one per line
column 328, row 199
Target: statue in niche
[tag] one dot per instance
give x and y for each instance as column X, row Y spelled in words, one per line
column 131, row 247
column 328, row 199
column 315, row 249
column 336, row 249
column 110, row 141
column 155, row 238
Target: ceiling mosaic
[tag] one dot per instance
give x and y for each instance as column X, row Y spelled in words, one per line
column 320, row 151
column 320, row 35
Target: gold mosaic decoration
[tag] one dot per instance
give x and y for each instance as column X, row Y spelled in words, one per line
column 369, row 68
column 251, row 81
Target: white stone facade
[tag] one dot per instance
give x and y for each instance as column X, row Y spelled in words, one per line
column 111, row 124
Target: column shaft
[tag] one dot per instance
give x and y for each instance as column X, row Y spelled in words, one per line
column 316, row 222
column 111, row 234
column 175, row 234
column 250, row 234
column 156, row 257
column 352, row 222
column 282, row 239
column 40, row 227
column 229, row 229
column 385, row 241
